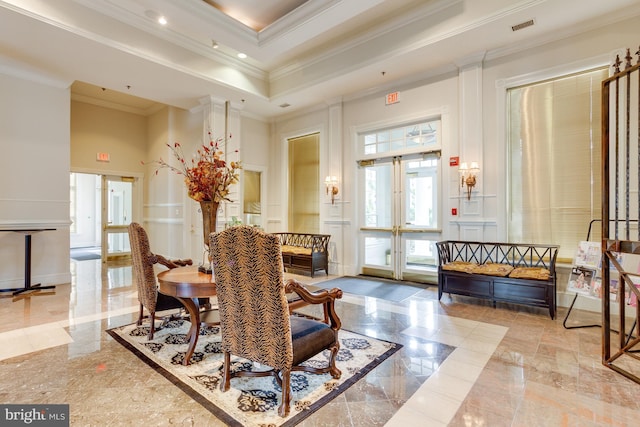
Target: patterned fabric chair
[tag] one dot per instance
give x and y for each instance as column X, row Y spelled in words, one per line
column 254, row 313
column 144, row 276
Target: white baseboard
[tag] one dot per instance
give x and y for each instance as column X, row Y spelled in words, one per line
column 51, row 279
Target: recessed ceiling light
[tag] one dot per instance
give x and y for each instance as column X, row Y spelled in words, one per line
column 214, row 44
column 162, row 20
column 242, row 55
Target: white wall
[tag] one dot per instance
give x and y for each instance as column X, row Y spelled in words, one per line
column 338, row 122
column 591, row 49
column 164, row 209
column 471, row 101
column 277, row 190
column 34, row 135
column 34, row 171
column 254, row 153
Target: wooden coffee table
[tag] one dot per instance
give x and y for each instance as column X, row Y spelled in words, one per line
column 187, row 284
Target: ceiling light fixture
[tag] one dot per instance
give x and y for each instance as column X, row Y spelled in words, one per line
column 242, row 55
column 214, row 44
column 162, row 20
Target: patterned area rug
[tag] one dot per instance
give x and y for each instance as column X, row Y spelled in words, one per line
column 83, row 254
column 390, row 290
column 250, row 401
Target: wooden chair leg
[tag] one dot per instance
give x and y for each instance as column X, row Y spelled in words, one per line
column 333, row 369
column 283, row 410
column 141, row 315
column 226, row 372
column 152, row 326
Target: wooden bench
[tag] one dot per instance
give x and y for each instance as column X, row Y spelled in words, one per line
column 507, row 272
column 305, row 251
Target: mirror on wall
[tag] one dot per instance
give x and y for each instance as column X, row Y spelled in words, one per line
column 252, row 198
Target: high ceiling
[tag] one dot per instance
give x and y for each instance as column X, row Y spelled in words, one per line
column 299, row 52
column 256, row 14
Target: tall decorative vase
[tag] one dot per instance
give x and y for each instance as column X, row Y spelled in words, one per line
column 209, row 216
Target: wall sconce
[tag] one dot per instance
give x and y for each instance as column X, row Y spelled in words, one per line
column 331, row 186
column 468, row 176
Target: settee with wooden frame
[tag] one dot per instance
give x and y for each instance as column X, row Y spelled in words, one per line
column 501, row 272
column 305, row 251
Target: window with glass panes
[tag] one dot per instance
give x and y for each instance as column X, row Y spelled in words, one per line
column 405, row 138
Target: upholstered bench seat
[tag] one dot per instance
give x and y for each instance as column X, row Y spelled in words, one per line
column 508, row 272
column 305, row 251
column 297, row 250
column 502, row 270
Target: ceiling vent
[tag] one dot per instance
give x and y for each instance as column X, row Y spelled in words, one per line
column 285, row 105
column 522, row 25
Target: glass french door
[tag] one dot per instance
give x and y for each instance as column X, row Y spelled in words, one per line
column 117, row 214
column 401, row 211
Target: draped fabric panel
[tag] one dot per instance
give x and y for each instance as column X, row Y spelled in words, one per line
column 554, row 160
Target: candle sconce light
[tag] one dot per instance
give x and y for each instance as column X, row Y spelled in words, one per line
column 468, row 176
column 331, row 187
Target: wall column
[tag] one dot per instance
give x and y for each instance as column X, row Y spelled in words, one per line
column 222, row 119
column 470, row 223
column 334, row 222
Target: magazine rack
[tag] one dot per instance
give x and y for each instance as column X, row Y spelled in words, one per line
column 575, row 297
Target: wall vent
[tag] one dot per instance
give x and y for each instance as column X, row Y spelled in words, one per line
column 522, row 25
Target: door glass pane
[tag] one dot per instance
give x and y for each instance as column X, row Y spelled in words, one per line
column 420, row 255
column 118, row 243
column 400, row 206
column 119, row 202
column 377, row 251
column 378, row 196
column 119, row 207
column 421, row 194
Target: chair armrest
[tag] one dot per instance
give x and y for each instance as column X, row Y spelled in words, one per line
column 173, row 263
column 182, row 262
column 317, row 297
column 326, row 297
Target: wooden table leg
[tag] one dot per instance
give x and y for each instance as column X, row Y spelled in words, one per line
column 193, row 307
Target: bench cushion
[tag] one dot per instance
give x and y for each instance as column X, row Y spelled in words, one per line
column 461, row 266
column 537, row 273
column 296, row 250
column 492, row 269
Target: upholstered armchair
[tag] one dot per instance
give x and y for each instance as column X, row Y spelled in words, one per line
column 144, row 276
column 254, row 313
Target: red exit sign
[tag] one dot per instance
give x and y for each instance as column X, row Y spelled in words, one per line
column 103, row 157
column 392, row 98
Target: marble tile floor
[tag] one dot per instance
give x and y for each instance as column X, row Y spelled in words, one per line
column 463, row 363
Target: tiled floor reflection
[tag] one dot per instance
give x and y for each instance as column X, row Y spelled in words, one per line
column 463, row 363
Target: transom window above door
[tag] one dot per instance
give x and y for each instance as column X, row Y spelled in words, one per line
column 407, row 138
